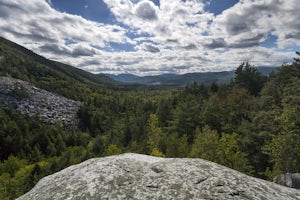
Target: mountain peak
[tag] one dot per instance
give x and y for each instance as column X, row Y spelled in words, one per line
column 134, row 176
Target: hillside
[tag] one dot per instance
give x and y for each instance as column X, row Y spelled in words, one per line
column 205, row 78
column 7, row 47
column 134, row 176
column 21, row 63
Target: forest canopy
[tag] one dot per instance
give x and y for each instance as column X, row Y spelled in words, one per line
column 251, row 125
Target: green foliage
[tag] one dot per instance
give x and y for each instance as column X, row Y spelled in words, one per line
column 284, row 149
column 154, row 136
column 11, row 165
column 231, row 155
column 237, row 107
column 212, row 112
column 285, row 153
column 251, row 125
column 112, row 149
column 205, row 145
column 224, row 150
column 176, row 146
column 99, row 145
column 156, row 152
column 185, row 118
column 19, row 92
column 250, row 78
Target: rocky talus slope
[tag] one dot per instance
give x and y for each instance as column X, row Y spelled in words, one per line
column 134, row 176
column 31, row 101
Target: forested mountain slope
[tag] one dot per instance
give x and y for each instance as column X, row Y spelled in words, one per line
column 72, row 72
column 251, row 124
column 21, row 63
column 178, row 80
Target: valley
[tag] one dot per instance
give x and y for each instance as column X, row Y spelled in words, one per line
column 249, row 124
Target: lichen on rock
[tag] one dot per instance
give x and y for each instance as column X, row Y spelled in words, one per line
column 134, row 176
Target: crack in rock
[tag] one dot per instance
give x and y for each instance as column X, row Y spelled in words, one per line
column 156, row 169
column 200, row 180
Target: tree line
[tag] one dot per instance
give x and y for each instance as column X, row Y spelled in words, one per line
column 251, row 125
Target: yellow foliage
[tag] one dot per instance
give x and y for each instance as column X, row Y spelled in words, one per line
column 157, row 153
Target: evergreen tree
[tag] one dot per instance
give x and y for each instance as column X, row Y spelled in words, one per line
column 206, row 144
column 112, row 149
column 154, row 136
column 175, row 146
column 297, row 60
column 185, row 118
column 249, row 77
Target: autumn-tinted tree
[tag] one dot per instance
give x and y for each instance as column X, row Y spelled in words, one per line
column 154, row 136
column 250, row 78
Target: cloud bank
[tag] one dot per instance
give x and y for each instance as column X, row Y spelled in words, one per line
column 172, row 37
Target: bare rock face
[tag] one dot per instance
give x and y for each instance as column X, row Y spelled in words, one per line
column 134, row 176
column 31, row 101
column 289, row 180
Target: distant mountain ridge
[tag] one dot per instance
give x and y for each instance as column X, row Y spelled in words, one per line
column 205, row 78
column 36, row 68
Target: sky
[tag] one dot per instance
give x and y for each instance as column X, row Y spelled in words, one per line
column 151, row 37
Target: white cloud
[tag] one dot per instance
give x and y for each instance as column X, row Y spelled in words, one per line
column 36, row 22
column 178, row 61
column 249, row 22
column 149, row 47
column 176, row 36
column 146, row 10
column 174, row 23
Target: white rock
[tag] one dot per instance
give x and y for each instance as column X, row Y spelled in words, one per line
column 134, row 176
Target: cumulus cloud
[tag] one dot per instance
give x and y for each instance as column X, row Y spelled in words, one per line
column 173, row 23
column 90, row 62
column 146, row 10
column 81, row 50
column 252, row 41
column 177, row 36
column 190, row 46
column 215, row 43
column 250, row 21
column 149, row 47
column 55, row 49
column 36, row 22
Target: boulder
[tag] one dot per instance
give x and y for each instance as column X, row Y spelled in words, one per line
column 289, row 180
column 135, row 176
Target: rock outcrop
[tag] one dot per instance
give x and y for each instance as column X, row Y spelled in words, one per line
column 289, row 180
column 134, row 176
column 31, row 101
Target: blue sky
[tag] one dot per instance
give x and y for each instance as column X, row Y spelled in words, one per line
column 149, row 37
column 94, row 10
column 97, row 10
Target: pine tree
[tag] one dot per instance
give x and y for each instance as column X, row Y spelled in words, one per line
column 154, row 136
column 250, row 78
